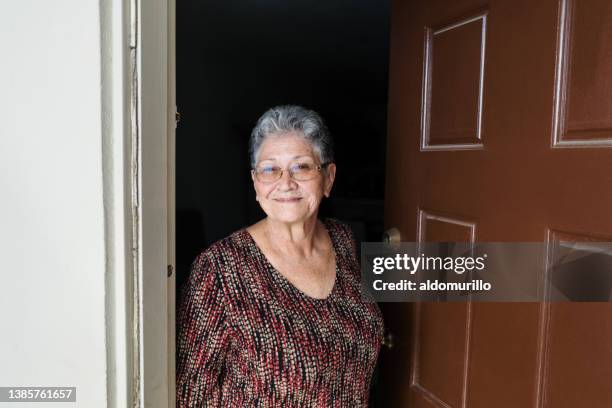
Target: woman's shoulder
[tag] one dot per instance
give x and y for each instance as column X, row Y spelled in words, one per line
column 226, row 267
column 338, row 227
column 226, row 252
column 342, row 234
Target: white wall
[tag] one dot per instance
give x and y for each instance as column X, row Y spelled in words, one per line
column 52, row 254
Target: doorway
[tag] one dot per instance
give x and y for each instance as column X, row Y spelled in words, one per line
column 235, row 60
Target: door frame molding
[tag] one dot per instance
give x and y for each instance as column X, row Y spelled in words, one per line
column 138, row 121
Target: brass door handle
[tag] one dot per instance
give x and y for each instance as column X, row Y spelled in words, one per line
column 392, row 236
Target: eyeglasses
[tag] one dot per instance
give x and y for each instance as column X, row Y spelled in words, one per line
column 299, row 171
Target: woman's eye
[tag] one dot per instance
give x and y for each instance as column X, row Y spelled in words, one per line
column 302, row 167
column 268, row 169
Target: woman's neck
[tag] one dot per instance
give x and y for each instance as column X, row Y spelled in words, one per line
column 299, row 238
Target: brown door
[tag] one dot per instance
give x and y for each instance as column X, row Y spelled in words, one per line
column 500, row 128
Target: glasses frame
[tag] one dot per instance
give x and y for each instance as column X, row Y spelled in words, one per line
column 282, row 171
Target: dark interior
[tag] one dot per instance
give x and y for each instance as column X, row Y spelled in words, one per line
column 236, row 59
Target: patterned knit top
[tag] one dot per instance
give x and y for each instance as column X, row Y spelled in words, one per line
column 248, row 338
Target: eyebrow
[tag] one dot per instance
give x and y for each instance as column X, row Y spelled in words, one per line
column 293, row 158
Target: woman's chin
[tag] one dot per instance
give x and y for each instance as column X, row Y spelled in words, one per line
column 290, row 217
column 287, row 219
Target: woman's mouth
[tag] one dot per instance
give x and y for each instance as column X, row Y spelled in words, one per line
column 288, row 199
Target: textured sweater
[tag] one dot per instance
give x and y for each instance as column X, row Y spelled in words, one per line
column 248, row 338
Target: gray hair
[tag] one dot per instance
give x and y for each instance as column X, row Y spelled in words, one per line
column 292, row 118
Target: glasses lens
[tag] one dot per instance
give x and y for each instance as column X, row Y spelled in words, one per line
column 303, row 171
column 268, row 174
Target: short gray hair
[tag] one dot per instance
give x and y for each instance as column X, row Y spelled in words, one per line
column 292, row 118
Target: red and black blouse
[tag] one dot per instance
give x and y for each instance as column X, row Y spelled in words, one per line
column 248, row 338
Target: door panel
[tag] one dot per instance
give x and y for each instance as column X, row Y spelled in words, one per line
column 453, row 71
column 442, row 331
column 504, row 355
column 585, row 73
column 441, row 351
column 578, row 372
column 500, row 128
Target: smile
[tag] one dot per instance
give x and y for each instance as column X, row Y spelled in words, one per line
column 288, row 200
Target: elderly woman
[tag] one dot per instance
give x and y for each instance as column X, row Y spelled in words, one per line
column 273, row 314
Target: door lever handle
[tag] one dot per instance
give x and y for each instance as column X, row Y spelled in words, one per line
column 392, row 236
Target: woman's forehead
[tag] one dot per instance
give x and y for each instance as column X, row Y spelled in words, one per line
column 287, row 147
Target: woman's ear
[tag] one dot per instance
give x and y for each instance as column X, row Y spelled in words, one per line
column 330, row 176
column 253, row 178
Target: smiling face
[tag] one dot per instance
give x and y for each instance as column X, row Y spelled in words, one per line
column 288, row 200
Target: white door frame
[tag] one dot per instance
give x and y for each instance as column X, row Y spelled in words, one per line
column 172, row 121
column 138, row 115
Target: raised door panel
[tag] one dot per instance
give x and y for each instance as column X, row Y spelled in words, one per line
column 584, row 74
column 453, row 84
column 577, row 365
column 442, row 330
column 504, row 362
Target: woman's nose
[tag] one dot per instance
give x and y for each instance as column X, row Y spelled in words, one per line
column 286, row 182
